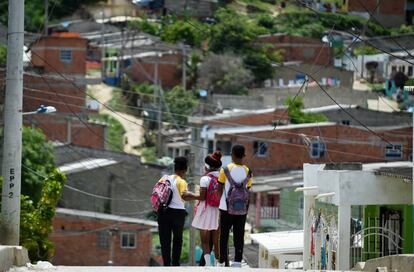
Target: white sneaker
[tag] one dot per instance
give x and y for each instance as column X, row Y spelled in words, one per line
column 207, row 259
column 236, row 264
column 221, row 264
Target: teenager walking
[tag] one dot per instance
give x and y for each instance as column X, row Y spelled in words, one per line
column 171, row 219
column 235, row 180
column 206, row 218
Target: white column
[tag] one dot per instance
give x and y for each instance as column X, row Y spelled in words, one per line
column 344, row 233
column 308, row 205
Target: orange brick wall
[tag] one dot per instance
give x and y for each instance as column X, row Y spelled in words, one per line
column 292, row 153
column 46, row 54
column 293, row 49
column 394, row 7
column 55, row 128
column 76, row 249
column 61, row 94
column 170, row 74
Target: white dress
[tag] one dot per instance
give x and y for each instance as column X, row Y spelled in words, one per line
column 206, row 217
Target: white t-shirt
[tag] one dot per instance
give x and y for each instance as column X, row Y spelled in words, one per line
column 239, row 174
column 178, row 186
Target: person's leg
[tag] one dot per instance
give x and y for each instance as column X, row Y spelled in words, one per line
column 215, row 237
column 164, row 231
column 225, row 225
column 178, row 226
column 238, row 236
column 205, row 245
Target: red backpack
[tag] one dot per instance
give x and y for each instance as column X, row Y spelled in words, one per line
column 212, row 195
column 161, row 194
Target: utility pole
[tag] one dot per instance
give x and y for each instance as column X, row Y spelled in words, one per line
column 184, row 67
column 46, row 25
column 191, row 188
column 12, row 145
column 102, row 46
column 157, row 97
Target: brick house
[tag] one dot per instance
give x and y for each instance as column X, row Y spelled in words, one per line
column 60, row 53
column 296, row 48
column 389, row 13
column 83, row 238
column 142, row 68
column 271, row 150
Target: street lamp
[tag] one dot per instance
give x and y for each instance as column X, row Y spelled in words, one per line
column 41, row 109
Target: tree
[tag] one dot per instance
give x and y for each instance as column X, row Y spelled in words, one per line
column 180, row 102
column 34, row 11
column 37, row 153
column 36, row 219
column 297, row 116
column 183, row 31
column 3, row 56
column 224, row 74
column 233, row 32
column 41, row 190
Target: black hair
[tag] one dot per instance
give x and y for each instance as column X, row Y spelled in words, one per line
column 214, row 160
column 180, row 164
column 238, row 151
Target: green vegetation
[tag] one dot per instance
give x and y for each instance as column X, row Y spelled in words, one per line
column 297, row 116
column 118, row 102
column 37, row 153
column 366, row 50
column 181, row 104
column 3, row 56
column 39, row 195
column 115, row 131
column 34, row 11
column 149, row 154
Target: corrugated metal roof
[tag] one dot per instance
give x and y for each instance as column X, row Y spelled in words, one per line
column 404, row 173
column 104, row 216
column 86, row 164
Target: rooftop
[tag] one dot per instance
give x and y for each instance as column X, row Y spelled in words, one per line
column 280, row 242
column 85, row 164
column 104, row 216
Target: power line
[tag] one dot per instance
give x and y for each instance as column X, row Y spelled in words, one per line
column 344, row 141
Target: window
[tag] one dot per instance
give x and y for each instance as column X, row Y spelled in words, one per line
column 317, row 150
column 210, row 146
column 66, row 55
column 224, row 147
column 346, row 122
column 393, row 151
column 410, row 71
column 260, row 149
column 309, row 53
column 103, row 239
column 128, row 240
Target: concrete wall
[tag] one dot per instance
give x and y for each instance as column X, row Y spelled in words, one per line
column 403, row 262
column 12, row 256
column 313, row 97
column 346, row 77
column 127, row 179
column 370, row 118
column 250, row 102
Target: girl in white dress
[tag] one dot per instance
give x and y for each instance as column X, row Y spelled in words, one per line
column 206, row 218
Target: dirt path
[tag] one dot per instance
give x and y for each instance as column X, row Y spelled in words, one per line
column 133, row 126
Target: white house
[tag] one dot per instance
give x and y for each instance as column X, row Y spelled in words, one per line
column 327, row 233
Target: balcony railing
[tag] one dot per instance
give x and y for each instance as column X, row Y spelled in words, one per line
column 269, row 212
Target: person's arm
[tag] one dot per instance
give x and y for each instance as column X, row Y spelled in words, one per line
column 221, row 182
column 189, row 196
